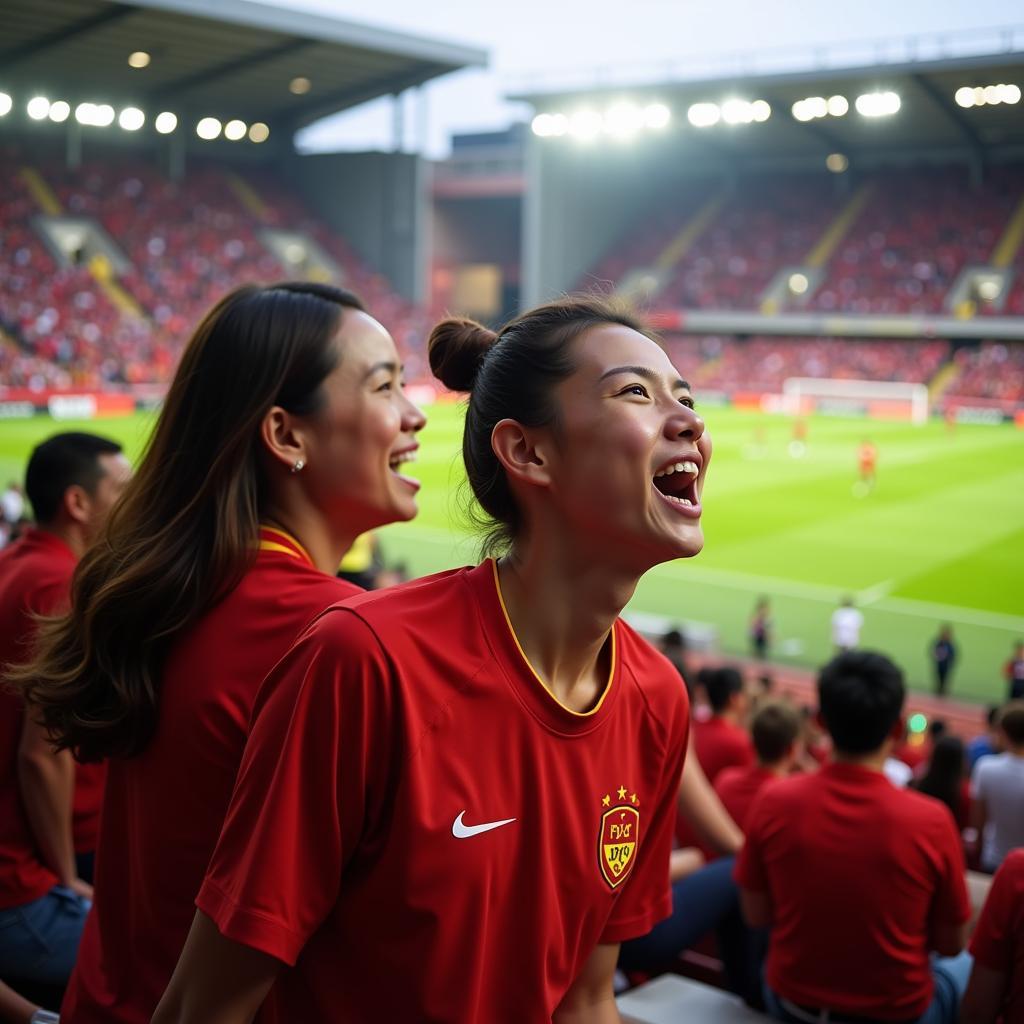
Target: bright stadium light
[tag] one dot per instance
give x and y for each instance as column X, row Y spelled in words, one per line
column 5, row 104
column 737, row 112
column 299, row 86
column 623, row 120
column 761, row 109
column 657, row 116
column 1011, row 94
column 131, row 119
column 585, row 125
column 104, row 115
column 798, row 283
column 165, row 122
column 838, row 106
column 878, row 104
column 235, row 130
column 837, row 162
column 37, row 108
column 208, row 128
column 993, row 94
column 259, row 132
column 989, row 289
column 964, row 96
column 979, row 96
column 549, row 126
column 704, row 115
column 139, row 59
column 60, row 111
column 85, row 113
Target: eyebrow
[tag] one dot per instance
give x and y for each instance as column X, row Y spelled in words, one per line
column 385, row 365
column 646, row 373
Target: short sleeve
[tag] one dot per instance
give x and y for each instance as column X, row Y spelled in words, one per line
column 749, row 872
column 647, row 896
column 308, row 788
column 978, row 780
column 993, row 939
column 952, row 903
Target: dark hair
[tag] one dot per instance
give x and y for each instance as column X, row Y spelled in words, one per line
column 63, row 461
column 1011, row 721
column 673, row 638
column 944, row 775
column 511, row 375
column 937, row 728
column 721, row 685
column 861, row 696
column 186, row 528
column 774, row 728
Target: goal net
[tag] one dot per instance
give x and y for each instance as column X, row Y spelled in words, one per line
column 877, row 399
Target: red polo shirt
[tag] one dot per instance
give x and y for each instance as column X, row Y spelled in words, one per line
column 737, row 787
column 998, row 940
column 35, row 576
column 720, row 744
column 856, row 872
column 164, row 808
column 425, row 833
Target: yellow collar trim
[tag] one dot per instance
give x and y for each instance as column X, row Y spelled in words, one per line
column 296, row 551
column 537, row 675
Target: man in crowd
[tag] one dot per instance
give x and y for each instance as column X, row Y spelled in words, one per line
column 776, row 733
column 997, row 791
column 722, row 741
column 858, row 881
column 72, row 482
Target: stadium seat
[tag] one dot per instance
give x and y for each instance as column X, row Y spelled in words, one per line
column 671, row 999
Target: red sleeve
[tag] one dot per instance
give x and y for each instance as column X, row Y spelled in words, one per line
column 749, row 872
column 993, row 938
column 647, row 896
column 308, row 788
column 952, row 903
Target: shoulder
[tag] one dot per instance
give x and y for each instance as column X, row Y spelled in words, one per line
column 653, row 677
column 728, row 778
column 927, row 814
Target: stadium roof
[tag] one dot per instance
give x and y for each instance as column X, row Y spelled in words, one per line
column 929, row 116
column 223, row 57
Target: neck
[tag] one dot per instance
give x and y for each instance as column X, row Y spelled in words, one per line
column 875, row 760
column 71, row 533
column 779, row 768
column 727, row 715
column 325, row 544
column 562, row 605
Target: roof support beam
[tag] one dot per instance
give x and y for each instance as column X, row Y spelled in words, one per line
column 73, row 29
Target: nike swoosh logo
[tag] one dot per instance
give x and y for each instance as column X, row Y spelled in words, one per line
column 463, row 831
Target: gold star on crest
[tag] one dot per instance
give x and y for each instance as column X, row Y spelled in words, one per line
column 606, row 800
column 622, row 792
column 633, row 799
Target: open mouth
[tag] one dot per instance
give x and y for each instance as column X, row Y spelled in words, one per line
column 676, row 482
column 398, row 460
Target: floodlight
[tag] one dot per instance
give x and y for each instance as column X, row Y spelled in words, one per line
column 704, row 115
column 85, row 113
column 979, row 96
column 585, row 125
column 657, row 115
column 623, row 120
column 208, row 128
column 761, row 110
column 131, row 119
column 801, row 111
column 798, row 283
column 993, row 94
column 1011, row 94
column 259, row 132
column 299, row 86
column 737, row 112
column 964, row 96
column 166, row 122
column 60, row 110
column 837, row 162
column 235, row 130
column 989, row 289
column 104, row 115
column 878, row 104
column 5, row 104
column 838, row 106
column 38, row 107
column 139, row 59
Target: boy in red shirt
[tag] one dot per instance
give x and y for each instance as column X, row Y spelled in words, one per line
column 722, row 741
column 776, row 733
column 858, row 881
column 996, row 989
column 72, row 481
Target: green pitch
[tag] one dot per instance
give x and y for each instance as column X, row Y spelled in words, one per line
column 939, row 539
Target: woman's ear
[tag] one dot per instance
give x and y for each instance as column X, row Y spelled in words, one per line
column 523, row 451
column 283, row 438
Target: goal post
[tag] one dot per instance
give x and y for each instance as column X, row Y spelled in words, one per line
column 874, row 398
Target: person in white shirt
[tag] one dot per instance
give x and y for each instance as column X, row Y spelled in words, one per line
column 846, row 625
column 12, row 503
column 997, row 791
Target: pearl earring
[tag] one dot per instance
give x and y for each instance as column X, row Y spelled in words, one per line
column 297, row 468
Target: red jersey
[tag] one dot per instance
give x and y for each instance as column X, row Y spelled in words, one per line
column 164, row 808
column 720, row 744
column 868, row 456
column 425, row 832
column 998, row 939
column 35, row 576
column 737, row 787
column 856, row 872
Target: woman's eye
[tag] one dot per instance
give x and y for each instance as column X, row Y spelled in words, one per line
column 636, row 389
column 386, row 386
column 688, row 402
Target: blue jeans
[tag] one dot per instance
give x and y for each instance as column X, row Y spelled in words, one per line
column 950, row 975
column 39, row 940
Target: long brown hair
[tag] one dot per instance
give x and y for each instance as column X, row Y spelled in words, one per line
column 186, row 528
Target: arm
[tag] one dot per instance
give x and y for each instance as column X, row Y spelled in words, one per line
column 700, row 805
column 15, row 1009
column 46, row 779
column 684, row 862
column 217, row 981
column 984, row 996
column 591, row 997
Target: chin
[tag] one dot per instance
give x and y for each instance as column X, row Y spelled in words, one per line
column 690, row 544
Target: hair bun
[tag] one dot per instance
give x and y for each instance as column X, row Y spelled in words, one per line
column 457, row 347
